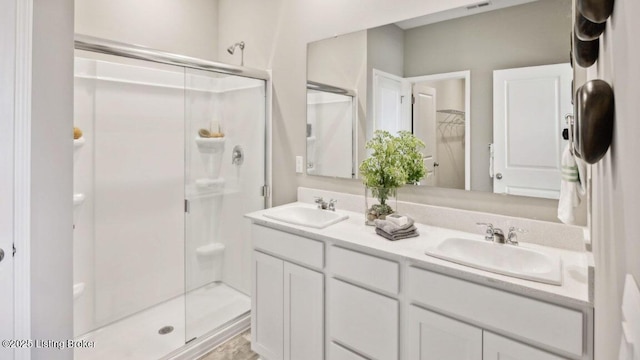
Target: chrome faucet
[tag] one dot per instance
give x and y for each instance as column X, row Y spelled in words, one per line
column 496, row 235
column 323, row 205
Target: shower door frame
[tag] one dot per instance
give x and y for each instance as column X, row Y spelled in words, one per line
column 108, row 47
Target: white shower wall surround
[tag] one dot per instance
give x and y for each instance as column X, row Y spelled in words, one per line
column 135, row 172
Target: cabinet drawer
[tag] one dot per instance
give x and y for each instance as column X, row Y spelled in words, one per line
column 363, row 320
column 288, row 246
column 497, row 347
column 337, row 352
column 367, row 270
column 537, row 321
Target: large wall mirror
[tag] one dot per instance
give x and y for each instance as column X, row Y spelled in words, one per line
column 486, row 87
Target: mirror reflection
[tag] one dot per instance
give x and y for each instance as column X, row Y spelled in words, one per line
column 330, row 120
column 485, row 87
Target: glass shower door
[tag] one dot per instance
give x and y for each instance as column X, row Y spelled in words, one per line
column 128, row 219
column 225, row 169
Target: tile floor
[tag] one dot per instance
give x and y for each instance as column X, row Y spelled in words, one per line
column 237, row 348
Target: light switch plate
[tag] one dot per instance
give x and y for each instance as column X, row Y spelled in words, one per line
column 299, row 164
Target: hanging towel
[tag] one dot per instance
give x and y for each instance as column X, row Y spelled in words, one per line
column 572, row 187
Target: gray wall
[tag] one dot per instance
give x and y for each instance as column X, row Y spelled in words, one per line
column 616, row 195
column 183, row 27
column 527, row 35
column 52, row 176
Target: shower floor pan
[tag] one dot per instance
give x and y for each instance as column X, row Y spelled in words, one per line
column 138, row 337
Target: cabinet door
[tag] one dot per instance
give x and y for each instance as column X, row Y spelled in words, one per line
column 303, row 313
column 267, row 317
column 435, row 337
column 497, row 347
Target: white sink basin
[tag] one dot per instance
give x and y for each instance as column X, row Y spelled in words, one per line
column 304, row 216
column 502, row 259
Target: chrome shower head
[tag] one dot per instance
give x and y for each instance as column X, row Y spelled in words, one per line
column 231, row 49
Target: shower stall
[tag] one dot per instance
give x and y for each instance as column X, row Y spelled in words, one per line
column 169, row 153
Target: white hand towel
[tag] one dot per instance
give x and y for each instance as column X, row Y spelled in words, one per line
column 573, row 186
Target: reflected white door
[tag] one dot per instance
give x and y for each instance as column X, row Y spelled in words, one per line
column 391, row 103
column 529, row 105
column 424, row 127
column 7, row 72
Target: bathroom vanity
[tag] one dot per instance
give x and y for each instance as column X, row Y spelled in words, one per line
column 344, row 293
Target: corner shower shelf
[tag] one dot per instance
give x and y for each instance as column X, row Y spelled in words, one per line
column 78, row 143
column 210, row 145
column 209, row 185
column 211, row 249
column 78, row 290
column 78, row 199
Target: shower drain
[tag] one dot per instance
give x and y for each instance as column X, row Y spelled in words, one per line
column 165, row 330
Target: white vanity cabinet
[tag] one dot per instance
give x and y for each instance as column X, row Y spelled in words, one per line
column 363, row 309
column 359, row 304
column 559, row 329
column 432, row 336
column 287, row 317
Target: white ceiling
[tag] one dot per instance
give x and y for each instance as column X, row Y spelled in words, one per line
column 459, row 12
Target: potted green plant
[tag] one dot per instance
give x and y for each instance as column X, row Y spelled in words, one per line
column 394, row 162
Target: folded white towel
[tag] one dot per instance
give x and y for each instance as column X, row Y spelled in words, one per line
column 573, row 186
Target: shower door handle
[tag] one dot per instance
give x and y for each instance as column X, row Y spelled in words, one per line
column 1, row 255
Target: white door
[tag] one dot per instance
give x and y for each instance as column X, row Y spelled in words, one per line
column 424, row 127
column 436, row 337
column 500, row 348
column 7, row 86
column 529, row 105
column 391, row 103
column 267, row 308
column 303, row 314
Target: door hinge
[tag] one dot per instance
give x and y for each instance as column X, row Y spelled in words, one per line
column 14, row 250
column 187, row 208
column 265, row 191
column 413, row 99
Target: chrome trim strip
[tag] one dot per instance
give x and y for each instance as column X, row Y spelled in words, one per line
column 94, row 44
column 313, row 85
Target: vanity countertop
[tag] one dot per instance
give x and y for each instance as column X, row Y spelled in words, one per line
column 575, row 291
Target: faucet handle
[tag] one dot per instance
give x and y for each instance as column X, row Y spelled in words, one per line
column 489, row 232
column 318, row 199
column 512, row 237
